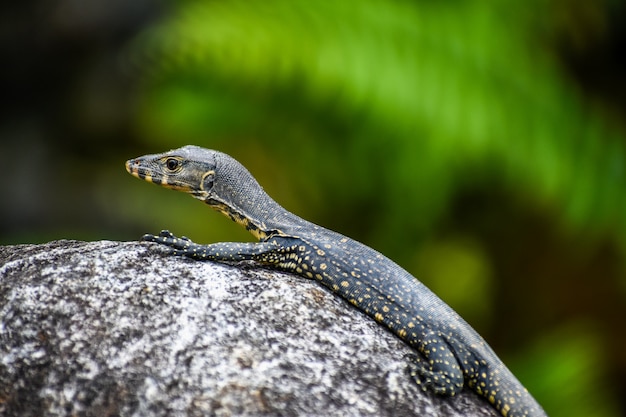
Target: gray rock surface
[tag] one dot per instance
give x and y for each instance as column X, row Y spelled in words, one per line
column 121, row 329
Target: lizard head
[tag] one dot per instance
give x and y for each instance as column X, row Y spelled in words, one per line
column 210, row 176
column 190, row 169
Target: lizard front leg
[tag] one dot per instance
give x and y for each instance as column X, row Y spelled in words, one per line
column 263, row 252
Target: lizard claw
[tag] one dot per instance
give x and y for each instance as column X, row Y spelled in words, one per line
column 149, row 238
column 167, row 238
column 166, row 233
column 163, row 234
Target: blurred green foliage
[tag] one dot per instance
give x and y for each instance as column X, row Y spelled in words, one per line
column 440, row 92
column 450, row 135
column 372, row 118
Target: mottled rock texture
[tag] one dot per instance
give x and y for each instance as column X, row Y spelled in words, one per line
column 121, row 329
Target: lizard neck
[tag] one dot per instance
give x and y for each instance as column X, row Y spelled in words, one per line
column 266, row 218
column 238, row 195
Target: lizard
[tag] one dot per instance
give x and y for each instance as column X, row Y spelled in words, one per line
column 453, row 354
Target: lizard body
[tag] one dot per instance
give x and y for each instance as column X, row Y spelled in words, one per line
column 455, row 355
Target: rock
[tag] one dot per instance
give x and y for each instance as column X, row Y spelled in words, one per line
column 122, row 329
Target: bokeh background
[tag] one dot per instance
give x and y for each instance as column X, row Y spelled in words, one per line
column 480, row 144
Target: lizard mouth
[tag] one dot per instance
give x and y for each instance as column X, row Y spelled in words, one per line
column 131, row 167
column 135, row 169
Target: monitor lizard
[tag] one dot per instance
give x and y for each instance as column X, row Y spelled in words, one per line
column 454, row 354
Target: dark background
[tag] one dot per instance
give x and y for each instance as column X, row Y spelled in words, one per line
column 481, row 145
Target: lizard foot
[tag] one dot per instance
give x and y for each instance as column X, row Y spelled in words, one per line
column 440, row 381
column 167, row 238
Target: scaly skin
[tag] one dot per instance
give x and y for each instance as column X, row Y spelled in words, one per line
column 453, row 353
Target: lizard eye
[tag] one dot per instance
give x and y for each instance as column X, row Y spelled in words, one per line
column 172, row 164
